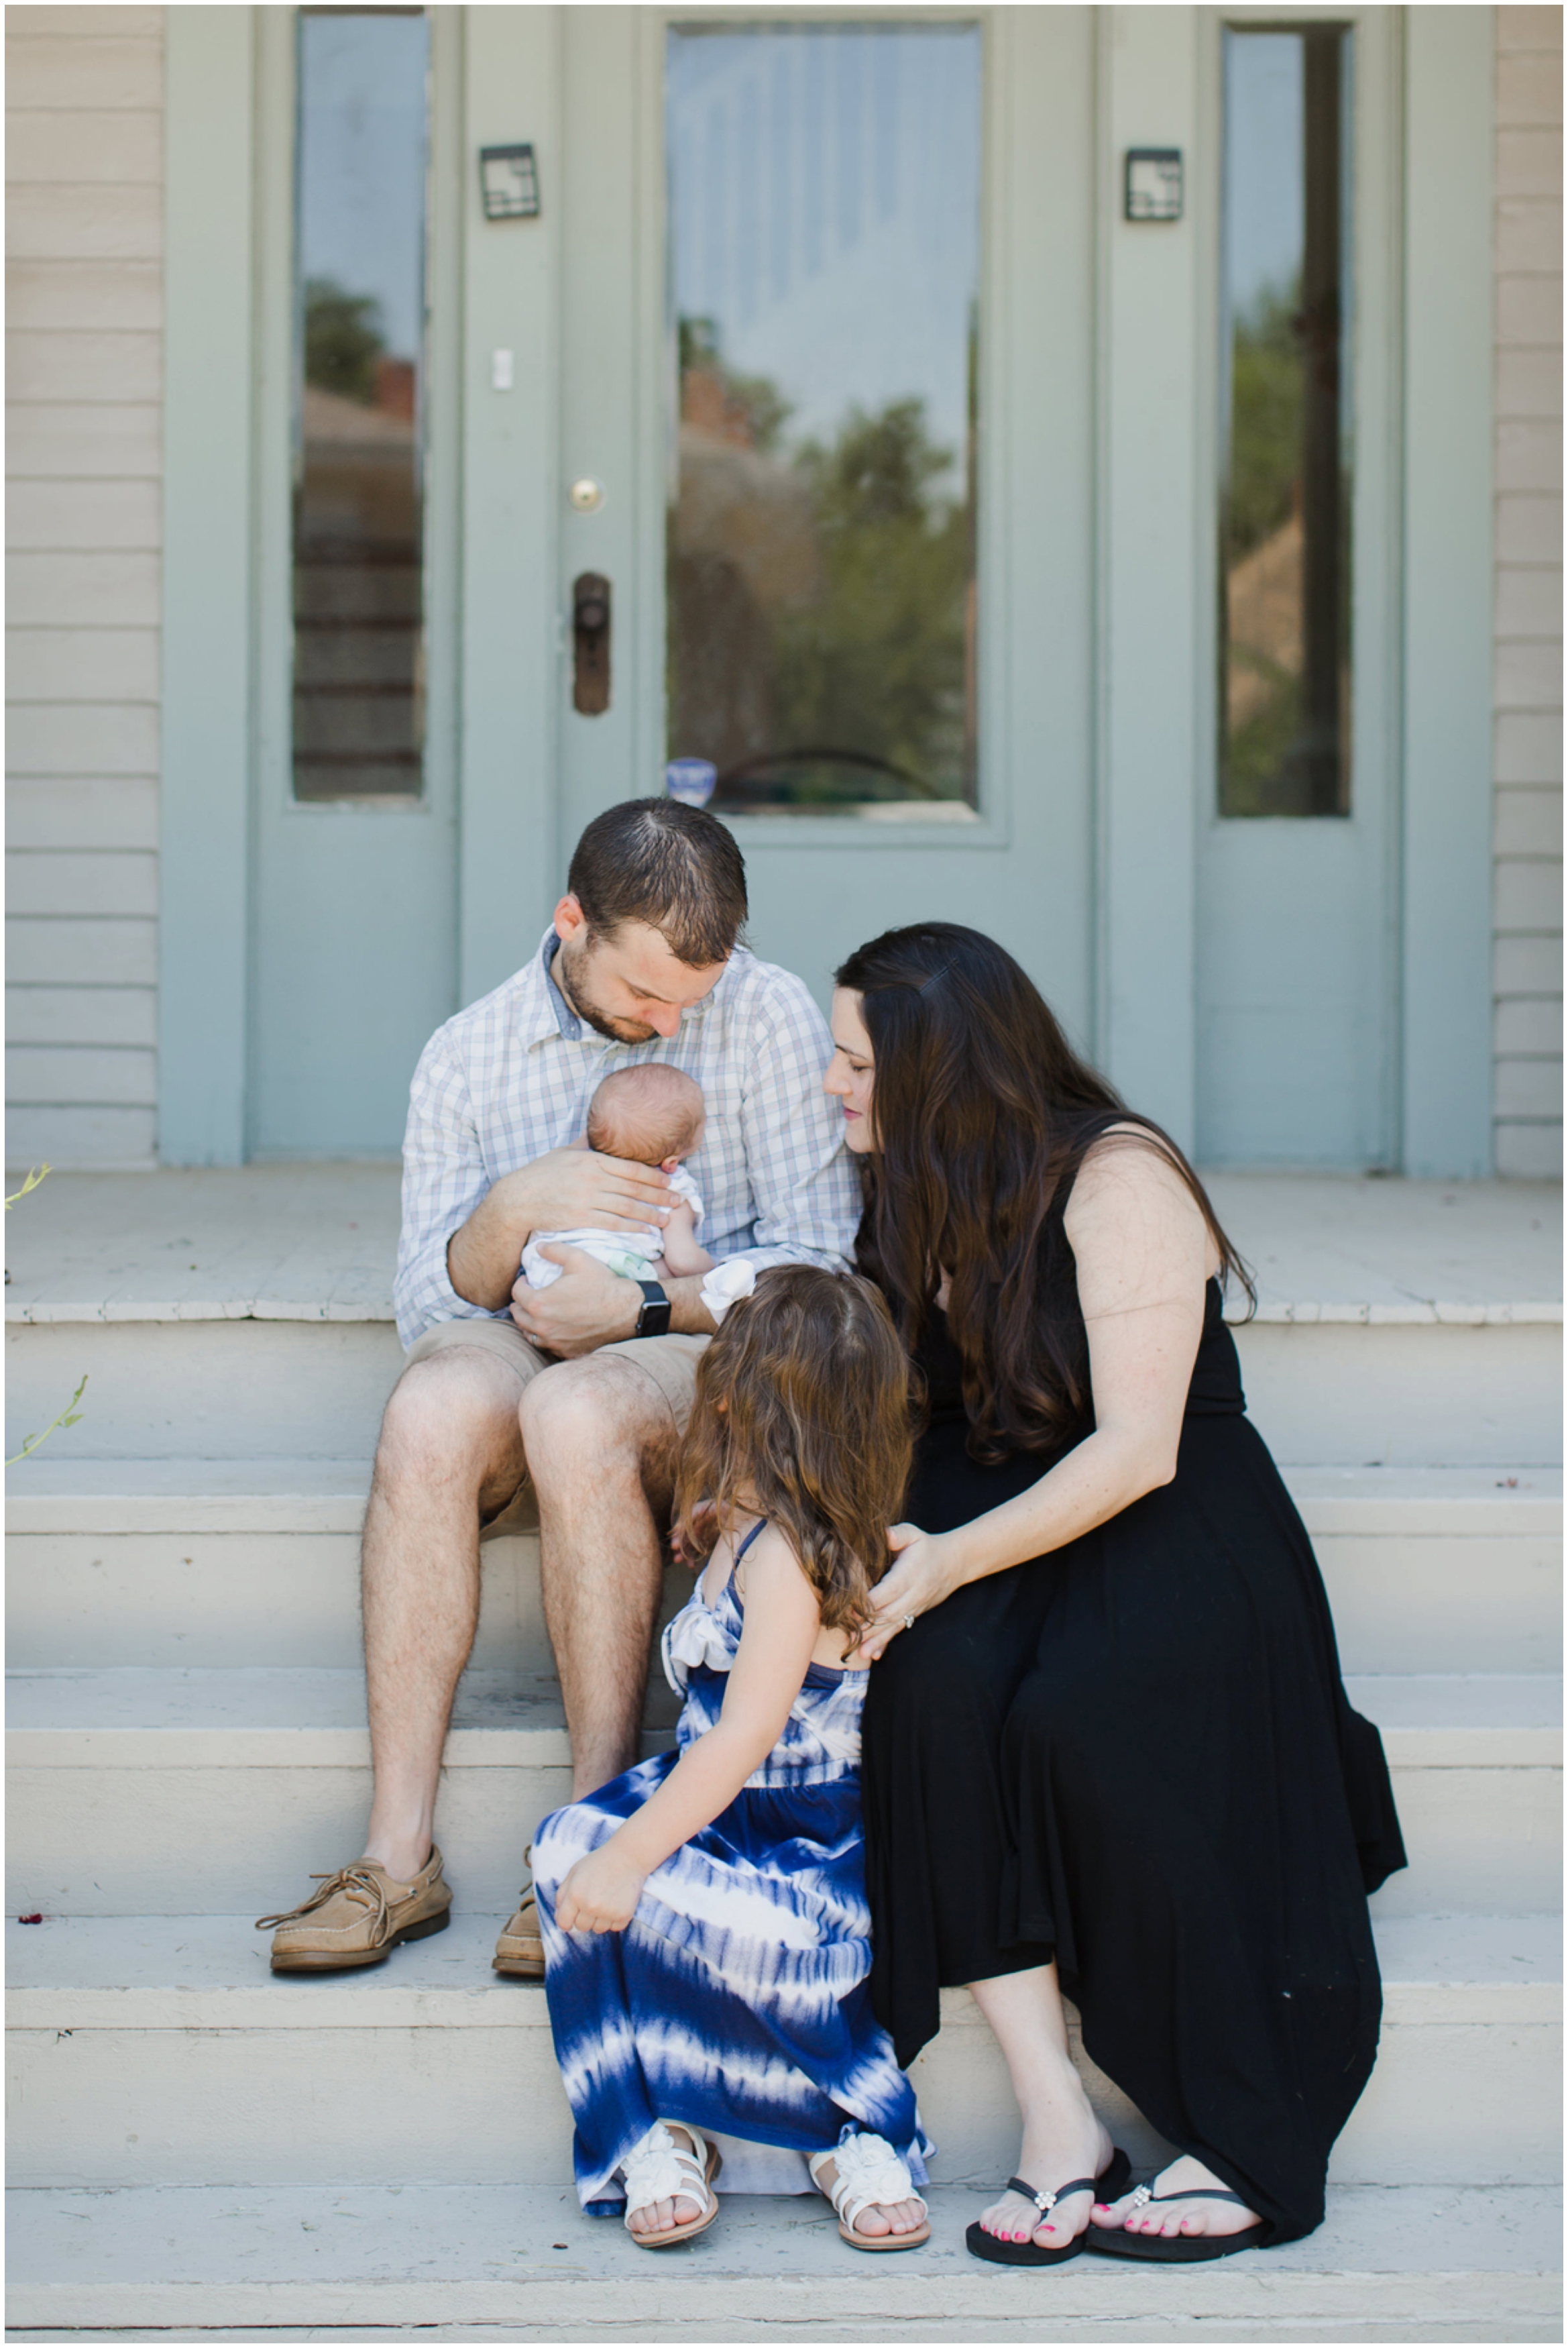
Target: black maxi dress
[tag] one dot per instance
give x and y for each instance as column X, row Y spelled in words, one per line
column 1136, row 1753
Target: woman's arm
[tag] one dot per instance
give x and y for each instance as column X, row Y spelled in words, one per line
column 782, row 1623
column 1143, row 1253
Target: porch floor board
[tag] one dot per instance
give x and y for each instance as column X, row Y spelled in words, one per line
column 318, row 1242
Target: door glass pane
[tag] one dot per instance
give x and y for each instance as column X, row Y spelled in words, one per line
column 825, row 226
column 358, row 546
column 1285, row 509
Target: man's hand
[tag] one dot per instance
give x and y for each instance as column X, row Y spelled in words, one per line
column 587, row 1307
column 601, row 1892
column 583, row 1187
column 563, row 1189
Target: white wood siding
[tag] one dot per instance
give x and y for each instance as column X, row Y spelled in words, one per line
column 1527, row 624
column 83, row 353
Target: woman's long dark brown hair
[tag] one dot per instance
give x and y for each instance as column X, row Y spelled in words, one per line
column 802, row 1412
column 983, row 1114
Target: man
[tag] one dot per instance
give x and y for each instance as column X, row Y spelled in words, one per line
column 568, row 1400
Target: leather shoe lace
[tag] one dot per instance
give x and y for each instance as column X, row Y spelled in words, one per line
column 362, row 1884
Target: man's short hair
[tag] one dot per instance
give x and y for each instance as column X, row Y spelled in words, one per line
column 674, row 868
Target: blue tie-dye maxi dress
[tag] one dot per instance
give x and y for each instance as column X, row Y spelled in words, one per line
column 736, row 1999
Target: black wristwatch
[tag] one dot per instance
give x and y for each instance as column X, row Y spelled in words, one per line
column 654, row 1321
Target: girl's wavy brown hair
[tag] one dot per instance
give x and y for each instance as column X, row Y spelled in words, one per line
column 802, row 1412
column 983, row 1115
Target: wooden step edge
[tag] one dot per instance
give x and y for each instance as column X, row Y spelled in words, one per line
column 488, row 2002
column 210, row 1970
column 327, row 1496
column 486, row 2254
column 373, row 1304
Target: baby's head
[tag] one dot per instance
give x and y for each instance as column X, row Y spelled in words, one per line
column 652, row 1112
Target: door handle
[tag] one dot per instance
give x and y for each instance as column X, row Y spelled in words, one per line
column 590, row 643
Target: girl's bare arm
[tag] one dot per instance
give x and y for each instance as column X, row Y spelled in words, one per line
column 782, row 1624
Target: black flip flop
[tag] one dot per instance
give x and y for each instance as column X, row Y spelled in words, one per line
column 1111, row 2183
column 1175, row 2249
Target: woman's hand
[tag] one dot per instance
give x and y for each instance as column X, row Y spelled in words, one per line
column 600, row 1893
column 927, row 1570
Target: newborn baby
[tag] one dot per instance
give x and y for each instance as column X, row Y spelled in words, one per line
column 654, row 1114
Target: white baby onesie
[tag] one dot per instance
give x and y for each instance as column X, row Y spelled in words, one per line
column 627, row 1252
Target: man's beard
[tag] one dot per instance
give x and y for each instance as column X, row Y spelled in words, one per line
column 617, row 1030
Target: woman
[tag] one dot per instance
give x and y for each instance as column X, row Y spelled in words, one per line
column 1107, row 1750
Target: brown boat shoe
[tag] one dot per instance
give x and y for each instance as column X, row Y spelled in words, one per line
column 358, row 1917
column 521, row 1951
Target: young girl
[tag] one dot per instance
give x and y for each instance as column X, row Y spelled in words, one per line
column 703, row 1917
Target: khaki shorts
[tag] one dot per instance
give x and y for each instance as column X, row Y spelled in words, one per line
column 671, row 1362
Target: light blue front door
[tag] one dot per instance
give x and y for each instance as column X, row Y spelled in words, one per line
column 353, row 875
column 828, row 376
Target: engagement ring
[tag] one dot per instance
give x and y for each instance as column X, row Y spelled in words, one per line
column 908, row 1621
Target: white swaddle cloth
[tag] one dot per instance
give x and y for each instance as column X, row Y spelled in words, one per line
column 627, row 1252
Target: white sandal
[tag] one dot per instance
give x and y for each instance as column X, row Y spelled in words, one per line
column 660, row 2169
column 871, row 2175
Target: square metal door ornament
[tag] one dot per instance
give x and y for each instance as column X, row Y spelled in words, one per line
column 509, row 182
column 1153, row 184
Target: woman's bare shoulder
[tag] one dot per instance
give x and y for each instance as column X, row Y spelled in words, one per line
column 1131, row 1160
column 1128, row 1184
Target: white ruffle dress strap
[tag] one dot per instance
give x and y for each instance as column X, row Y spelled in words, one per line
column 695, row 1636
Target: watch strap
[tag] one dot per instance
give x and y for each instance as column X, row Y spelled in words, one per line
column 654, row 1321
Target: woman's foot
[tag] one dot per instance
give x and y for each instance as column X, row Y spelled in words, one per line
column 681, row 2210
column 877, row 2218
column 1184, row 2175
column 1065, row 2142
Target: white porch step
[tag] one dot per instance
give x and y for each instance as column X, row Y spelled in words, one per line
column 199, row 1562
column 159, row 2050
column 1419, row 1392
column 122, row 1782
column 1434, row 2262
column 248, row 1313
column 304, row 1387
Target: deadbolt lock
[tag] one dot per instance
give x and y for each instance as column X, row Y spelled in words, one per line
column 590, row 643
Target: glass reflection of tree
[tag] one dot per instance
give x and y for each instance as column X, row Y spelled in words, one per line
column 1285, row 538
column 343, row 340
column 1262, row 621
column 875, row 666
column 820, row 598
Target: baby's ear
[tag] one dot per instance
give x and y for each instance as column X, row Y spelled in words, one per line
column 668, row 1165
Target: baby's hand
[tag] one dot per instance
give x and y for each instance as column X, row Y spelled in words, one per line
column 600, row 1893
column 682, row 1258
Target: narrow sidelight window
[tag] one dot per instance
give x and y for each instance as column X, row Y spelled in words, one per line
column 1284, row 421
column 359, row 384
column 825, row 256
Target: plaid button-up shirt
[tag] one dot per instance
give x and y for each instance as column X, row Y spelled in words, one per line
column 510, row 1077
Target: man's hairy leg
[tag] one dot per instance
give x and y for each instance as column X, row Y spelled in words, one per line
column 449, row 1445
column 601, row 1444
